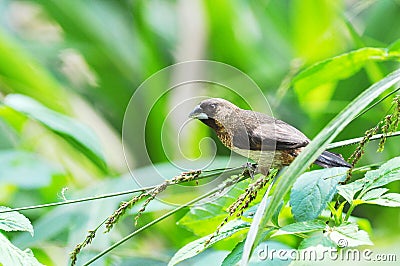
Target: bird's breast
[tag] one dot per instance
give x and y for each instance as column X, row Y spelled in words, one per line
column 225, row 138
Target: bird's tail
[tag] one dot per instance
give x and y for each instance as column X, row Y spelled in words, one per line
column 329, row 159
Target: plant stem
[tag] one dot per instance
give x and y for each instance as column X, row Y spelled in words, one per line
column 349, row 211
column 154, row 222
column 116, row 194
column 110, row 195
column 357, row 140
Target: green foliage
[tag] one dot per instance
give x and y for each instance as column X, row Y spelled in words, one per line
column 68, row 69
column 308, row 156
column 197, row 246
column 25, row 169
column 320, row 79
column 14, row 221
column 319, row 187
column 313, row 190
column 316, row 240
column 78, row 135
column 369, row 189
column 10, row 254
column 301, row 227
column 23, row 74
column 234, row 257
column 348, row 235
column 204, row 217
column 340, row 67
column 369, row 186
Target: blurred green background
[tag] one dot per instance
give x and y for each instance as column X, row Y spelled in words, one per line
column 84, row 59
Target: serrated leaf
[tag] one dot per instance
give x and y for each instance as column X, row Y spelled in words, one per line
column 11, row 255
column 74, row 132
column 197, row 246
column 349, row 190
column 301, row 227
column 14, row 221
column 374, row 194
column 315, row 241
column 388, row 200
column 313, row 190
column 314, row 149
column 203, row 218
column 348, row 235
column 25, row 169
column 387, row 173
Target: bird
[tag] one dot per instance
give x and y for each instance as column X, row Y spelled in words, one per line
column 270, row 142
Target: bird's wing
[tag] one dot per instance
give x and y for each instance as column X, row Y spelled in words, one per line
column 262, row 132
column 277, row 135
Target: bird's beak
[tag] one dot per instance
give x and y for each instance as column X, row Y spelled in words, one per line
column 198, row 113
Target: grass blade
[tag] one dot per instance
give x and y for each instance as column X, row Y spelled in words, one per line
column 310, row 153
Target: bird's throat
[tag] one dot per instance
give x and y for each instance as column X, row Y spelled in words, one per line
column 220, row 130
column 212, row 123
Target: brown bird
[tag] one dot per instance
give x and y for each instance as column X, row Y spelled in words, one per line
column 270, row 142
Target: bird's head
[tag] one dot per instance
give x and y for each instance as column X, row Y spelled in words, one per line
column 214, row 108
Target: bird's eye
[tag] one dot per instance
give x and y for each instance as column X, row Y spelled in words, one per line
column 213, row 106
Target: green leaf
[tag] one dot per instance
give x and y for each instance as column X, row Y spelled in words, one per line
column 349, row 190
column 203, row 218
column 316, row 240
column 75, row 133
column 387, row 173
column 21, row 73
column 389, row 200
column 312, row 151
column 301, row 227
column 14, row 221
column 8, row 137
column 275, row 217
column 25, row 169
column 313, row 190
column 319, row 80
column 348, row 235
column 395, row 47
column 339, row 67
column 236, row 254
column 257, row 226
column 374, row 194
column 197, row 246
column 11, row 255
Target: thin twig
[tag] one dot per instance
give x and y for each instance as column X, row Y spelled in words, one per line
column 158, row 220
column 91, row 235
column 377, row 102
column 116, row 194
column 357, row 140
column 104, row 196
